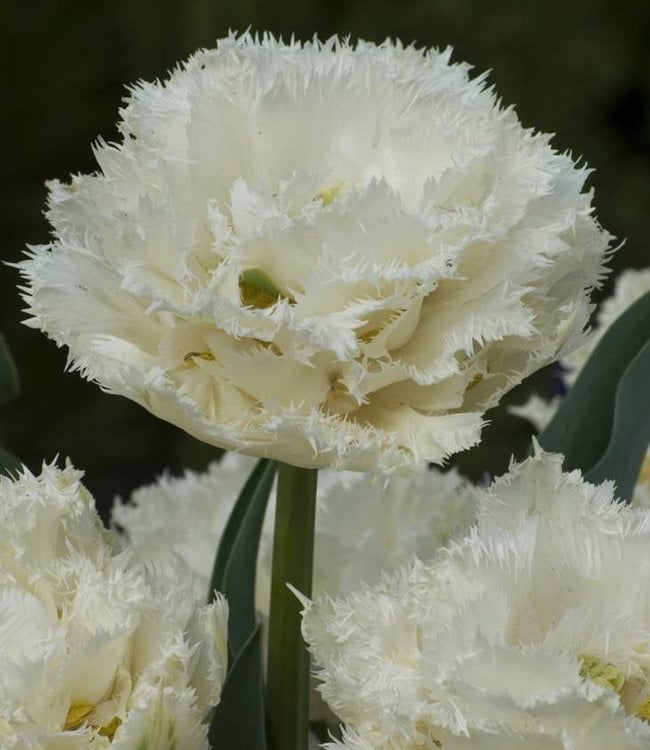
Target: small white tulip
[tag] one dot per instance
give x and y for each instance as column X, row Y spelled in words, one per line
column 94, row 651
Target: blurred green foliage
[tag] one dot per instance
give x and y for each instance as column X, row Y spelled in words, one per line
column 579, row 69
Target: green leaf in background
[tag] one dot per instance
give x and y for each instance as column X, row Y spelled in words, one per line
column 631, row 429
column 234, row 567
column 9, row 464
column 9, row 384
column 9, row 388
column 238, row 720
column 599, row 426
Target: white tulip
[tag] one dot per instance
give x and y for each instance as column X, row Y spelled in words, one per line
column 532, row 632
column 93, row 651
column 363, row 527
column 332, row 255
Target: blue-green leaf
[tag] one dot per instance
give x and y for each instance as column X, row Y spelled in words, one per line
column 9, row 464
column 238, row 720
column 235, row 563
column 9, row 384
column 631, row 429
column 596, row 421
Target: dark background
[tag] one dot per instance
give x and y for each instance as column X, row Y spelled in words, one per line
column 579, row 68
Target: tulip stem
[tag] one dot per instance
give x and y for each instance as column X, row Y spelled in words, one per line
column 287, row 687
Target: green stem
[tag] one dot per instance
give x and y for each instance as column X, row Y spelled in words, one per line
column 287, row 686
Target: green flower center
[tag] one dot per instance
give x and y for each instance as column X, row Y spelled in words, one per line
column 257, row 290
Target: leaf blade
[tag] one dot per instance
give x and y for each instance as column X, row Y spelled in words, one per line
column 9, row 464
column 236, row 559
column 581, row 428
column 238, row 720
column 630, row 436
column 9, row 381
